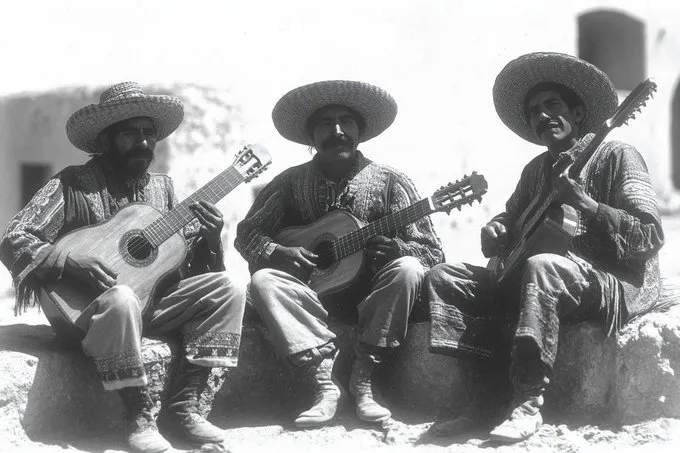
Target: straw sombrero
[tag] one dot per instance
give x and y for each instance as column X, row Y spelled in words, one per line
column 120, row 102
column 375, row 105
column 520, row 75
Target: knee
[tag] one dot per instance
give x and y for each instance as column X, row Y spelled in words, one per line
column 542, row 262
column 261, row 284
column 409, row 269
column 262, row 279
column 230, row 291
column 120, row 301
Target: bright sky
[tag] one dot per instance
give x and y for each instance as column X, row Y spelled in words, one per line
column 432, row 55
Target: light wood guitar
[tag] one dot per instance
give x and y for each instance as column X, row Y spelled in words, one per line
column 141, row 244
column 339, row 237
column 546, row 226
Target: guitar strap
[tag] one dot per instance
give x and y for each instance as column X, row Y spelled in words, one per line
column 388, row 192
column 388, row 196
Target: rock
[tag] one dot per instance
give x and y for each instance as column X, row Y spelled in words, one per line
column 625, row 379
column 648, row 368
column 584, row 375
column 45, row 379
column 631, row 377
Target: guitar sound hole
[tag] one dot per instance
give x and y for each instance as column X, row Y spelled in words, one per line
column 325, row 252
column 139, row 248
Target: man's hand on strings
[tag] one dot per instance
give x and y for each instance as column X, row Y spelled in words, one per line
column 90, row 270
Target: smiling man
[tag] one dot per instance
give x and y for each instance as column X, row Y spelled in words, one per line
column 333, row 117
column 610, row 273
column 200, row 307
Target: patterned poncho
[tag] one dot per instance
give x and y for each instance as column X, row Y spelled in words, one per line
column 622, row 241
column 80, row 196
column 303, row 194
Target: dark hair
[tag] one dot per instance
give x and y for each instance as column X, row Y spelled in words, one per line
column 314, row 119
column 570, row 98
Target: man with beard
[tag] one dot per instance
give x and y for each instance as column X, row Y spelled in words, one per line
column 201, row 308
column 333, row 117
column 610, row 273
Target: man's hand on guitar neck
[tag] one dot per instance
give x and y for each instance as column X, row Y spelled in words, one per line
column 90, row 270
column 211, row 222
column 572, row 193
column 494, row 238
column 293, row 259
column 380, row 250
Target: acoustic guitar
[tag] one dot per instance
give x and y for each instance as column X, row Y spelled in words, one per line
column 338, row 238
column 546, row 226
column 141, row 244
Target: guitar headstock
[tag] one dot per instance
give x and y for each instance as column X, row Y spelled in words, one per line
column 251, row 161
column 463, row 191
column 632, row 104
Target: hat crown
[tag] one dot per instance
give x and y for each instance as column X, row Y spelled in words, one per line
column 124, row 90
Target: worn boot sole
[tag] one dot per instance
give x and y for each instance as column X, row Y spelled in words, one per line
column 177, row 431
column 311, row 422
column 508, row 434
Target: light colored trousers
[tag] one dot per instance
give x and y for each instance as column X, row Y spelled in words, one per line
column 297, row 320
column 205, row 311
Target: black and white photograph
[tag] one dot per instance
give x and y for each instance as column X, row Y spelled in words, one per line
column 426, row 226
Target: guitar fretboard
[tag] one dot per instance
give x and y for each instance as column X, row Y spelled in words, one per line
column 579, row 163
column 356, row 240
column 167, row 225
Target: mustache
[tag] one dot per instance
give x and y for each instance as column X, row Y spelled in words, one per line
column 138, row 153
column 547, row 124
column 337, row 140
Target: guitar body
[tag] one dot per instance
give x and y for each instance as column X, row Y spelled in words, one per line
column 327, row 278
column 552, row 234
column 68, row 303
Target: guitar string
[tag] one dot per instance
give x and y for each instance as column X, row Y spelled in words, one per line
column 354, row 240
column 164, row 227
column 579, row 163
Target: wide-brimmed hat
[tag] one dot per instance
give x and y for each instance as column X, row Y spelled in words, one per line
column 120, row 102
column 376, row 107
column 520, row 75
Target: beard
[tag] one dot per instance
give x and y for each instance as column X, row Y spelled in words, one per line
column 132, row 164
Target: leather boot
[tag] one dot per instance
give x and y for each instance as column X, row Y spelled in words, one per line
column 142, row 434
column 360, row 384
column 529, row 379
column 319, row 363
column 523, row 422
column 181, row 416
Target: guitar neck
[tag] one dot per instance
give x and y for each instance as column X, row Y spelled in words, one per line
column 385, row 226
column 176, row 219
column 589, row 151
column 581, row 160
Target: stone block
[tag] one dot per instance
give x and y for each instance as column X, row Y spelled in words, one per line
column 632, row 377
column 45, row 379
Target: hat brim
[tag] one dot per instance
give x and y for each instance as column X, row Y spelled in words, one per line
column 84, row 125
column 520, row 75
column 375, row 105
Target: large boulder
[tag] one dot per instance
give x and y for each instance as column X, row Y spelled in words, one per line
column 43, row 379
column 627, row 378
